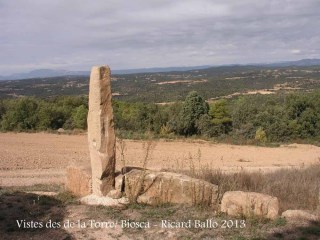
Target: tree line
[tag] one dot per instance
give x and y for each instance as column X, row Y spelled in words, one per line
column 260, row 118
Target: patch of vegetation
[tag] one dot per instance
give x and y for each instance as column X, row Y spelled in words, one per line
column 35, row 187
column 66, row 198
column 103, row 212
column 279, row 222
column 295, row 188
column 174, row 86
column 261, row 119
column 255, row 228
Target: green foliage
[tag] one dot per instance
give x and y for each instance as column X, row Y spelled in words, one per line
column 29, row 113
column 153, row 87
column 165, row 131
column 261, row 135
column 243, row 115
column 205, row 126
column 139, row 117
column 193, row 107
column 304, row 114
column 20, row 115
column 282, row 117
column 221, row 118
column 79, row 117
column 173, row 113
column 264, row 118
column 2, row 108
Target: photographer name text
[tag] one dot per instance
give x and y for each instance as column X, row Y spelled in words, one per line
column 167, row 224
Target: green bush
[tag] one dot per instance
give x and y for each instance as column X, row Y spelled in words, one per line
column 79, row 117
column 261, row 135
column 193, row 107
column 272, row 118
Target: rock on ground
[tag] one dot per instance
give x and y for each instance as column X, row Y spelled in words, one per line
column 79, row 180
column 104, row 201
column 151, row 187
column 300, row 215
column 237, row 203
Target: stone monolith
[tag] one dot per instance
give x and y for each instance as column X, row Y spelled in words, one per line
column 101, row 134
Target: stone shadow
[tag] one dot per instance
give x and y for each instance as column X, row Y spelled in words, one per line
column 34, row 213
column 310, row 231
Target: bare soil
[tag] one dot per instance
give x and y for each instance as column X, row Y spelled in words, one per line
column 42, row 158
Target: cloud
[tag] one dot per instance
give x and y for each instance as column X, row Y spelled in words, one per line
column 139, row 33
column 295, row 51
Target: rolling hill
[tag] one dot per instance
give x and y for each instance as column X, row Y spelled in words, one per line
column 213, row 82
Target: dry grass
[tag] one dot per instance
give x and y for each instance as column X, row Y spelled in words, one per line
column 295, row 188
column 134, row 190
column 121, row 147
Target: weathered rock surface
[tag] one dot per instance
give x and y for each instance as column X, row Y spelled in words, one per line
column 115, row 194
column 165, row 187
column 318, row 208
column 237, row 203
column 119, row 183
column 104, row 201
column 101, row 135
column 60, row 130
column 79, row 180
column 299, row 215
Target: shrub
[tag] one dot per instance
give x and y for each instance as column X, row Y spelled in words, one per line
column 261, row 135
column 193, row 107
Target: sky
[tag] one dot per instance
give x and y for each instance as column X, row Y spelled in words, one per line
column 127, row 34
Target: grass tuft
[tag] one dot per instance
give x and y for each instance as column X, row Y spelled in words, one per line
column 295, row 188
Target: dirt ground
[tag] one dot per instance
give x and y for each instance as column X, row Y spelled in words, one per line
column 42, row 158
column 26, row 215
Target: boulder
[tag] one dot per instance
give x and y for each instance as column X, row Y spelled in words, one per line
column 238, row 203
column 299, row 215
column 115, row 194
column 154, row 188
column 104, row 201
column 79, row 180
column 119, row 183
column 60, row 130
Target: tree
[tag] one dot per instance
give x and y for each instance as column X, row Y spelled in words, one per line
column 193, row 107
column 20, row 115
column 79, row 117
column 243, row 114
column 205, row 126
column 221, row 119
column 2, row 108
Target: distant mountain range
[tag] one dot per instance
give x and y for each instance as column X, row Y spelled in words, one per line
column 42, row 73
column 299, row 63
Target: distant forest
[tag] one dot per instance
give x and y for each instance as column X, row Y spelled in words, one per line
column 211, row 83
column 250, row 119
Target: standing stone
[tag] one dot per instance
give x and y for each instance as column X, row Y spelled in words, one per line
column 101, row 135
column 318, row 208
